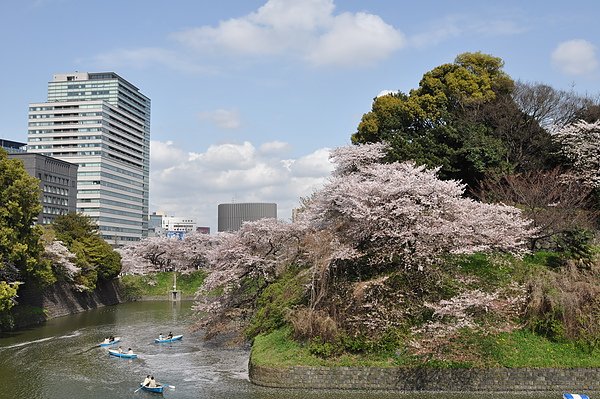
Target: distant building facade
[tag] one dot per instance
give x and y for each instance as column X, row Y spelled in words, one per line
column 231, row 216
column 161, row 225
column 101, row 122
column 58, row 180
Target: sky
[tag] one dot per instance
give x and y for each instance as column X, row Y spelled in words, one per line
column 249, row 96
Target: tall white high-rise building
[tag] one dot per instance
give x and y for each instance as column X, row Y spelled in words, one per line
column 101, row 122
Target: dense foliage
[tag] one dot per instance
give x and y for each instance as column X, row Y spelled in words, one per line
column 470, row 119
column 94, row 258
column 20, row 246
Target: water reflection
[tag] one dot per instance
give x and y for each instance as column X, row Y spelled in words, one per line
column 61, row 359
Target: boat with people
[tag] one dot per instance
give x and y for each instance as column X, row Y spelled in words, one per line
column 157, row 389
column 167, row 339
column 114, row 352
column 108, row 342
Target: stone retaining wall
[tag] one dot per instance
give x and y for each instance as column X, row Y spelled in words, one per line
column 429, row 380
column 61, row 300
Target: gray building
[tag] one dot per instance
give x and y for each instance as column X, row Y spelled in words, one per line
column 231, row 216
column 100, row 122
column 58, row 180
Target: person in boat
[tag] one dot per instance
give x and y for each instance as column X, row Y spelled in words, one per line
column 129, row 351
column 106, row 340
column 170, row 335
column 160, row 336
column 111, row 338
column 120, row 349
column 146, row 381
column 153, row 383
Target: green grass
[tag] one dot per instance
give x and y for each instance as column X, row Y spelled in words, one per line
column 161, row 283
column 277, row 349
column 519, row 349
column 526, row 349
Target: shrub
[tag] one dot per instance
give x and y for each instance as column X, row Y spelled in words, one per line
column 309, row 324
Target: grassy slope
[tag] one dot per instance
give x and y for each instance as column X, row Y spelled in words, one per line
column 516, row 349
column 161, row 283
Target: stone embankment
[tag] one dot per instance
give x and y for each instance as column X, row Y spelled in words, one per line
column 524, row 380
column 61, row 300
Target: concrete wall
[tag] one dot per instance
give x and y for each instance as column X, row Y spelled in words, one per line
column 429, row 380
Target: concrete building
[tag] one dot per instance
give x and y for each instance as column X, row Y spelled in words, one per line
column 170, row 226
column 58, row 180
column 101, row 122
column 231, row 216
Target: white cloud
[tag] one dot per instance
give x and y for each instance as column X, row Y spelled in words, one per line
column 575, row 57
column 274, row 148
column 453, row 26
column 307, row 29
column 193, row 184
column 355, row 39
column 223, row 118
column 164, row 154
column 141, row 57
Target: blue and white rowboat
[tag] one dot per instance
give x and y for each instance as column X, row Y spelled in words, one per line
column 158, row 389
column 116, row 353
column 574, row 396
column 175, row 338
column 109, row 343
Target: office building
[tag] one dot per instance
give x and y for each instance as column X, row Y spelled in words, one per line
column 170, row 226
column 231, row 216
column 100, row 122
column 58, row 180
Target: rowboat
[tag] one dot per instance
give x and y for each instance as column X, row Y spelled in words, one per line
column 157, row 389
column 109, row 343
column 175, row 338
column 574, row 396
column 116, row 353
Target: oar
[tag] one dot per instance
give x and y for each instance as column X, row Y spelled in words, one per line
column 141, row 386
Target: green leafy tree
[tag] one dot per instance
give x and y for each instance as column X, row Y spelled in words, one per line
column 7, row 293
column 95, row 257
column 20, row 244
column 73, row 226
column 462, row 118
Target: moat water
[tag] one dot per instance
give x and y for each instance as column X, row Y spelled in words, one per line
column 62, row 360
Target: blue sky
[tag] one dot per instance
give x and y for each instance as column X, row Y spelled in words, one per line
column 248, row 96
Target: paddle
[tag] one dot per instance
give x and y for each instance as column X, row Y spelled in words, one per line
column 138, row 389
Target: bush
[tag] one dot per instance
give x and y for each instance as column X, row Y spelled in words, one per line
column 313, row 325
column 275, row 302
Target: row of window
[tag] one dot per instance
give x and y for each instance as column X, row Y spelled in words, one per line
column 113, row 177
column 54, row 211
column 80, row 114
column 110, row 194
column 109, row 202
column 111, row 211
column 56, row 179
column 47, row 199
column 55, row 190
column 70, row 122
column 111, row 185
column 56, row 107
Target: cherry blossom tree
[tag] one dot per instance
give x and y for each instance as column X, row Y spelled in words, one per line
column 580, row 144
column 63, row 260
column 241, row 265
column 402, row 213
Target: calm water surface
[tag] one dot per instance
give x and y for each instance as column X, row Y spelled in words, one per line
column 61, row 359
